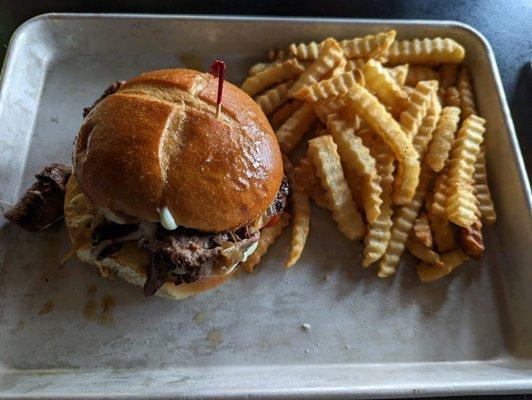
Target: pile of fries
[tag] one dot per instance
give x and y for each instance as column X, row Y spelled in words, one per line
column 394, row 147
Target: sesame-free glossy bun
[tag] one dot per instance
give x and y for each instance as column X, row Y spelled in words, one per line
column 157, row 143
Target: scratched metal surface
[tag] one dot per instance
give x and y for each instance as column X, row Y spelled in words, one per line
column 470, row 333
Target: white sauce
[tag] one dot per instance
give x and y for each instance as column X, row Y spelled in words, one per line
column 167, row 220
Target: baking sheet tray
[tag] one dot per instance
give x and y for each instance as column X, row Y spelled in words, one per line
column 61, row 336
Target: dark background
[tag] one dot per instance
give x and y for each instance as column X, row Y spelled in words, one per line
column 507, row 24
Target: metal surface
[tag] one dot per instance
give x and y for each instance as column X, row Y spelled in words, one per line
column 469, row 333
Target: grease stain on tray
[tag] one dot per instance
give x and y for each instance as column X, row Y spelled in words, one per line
column 199, row 317
column 106, row 317
column 47, row 307
column 192, row 61
column 90, row 309
column 214, row 337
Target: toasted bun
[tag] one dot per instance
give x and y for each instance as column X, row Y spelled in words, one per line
column 157, row 143
column 128, row 263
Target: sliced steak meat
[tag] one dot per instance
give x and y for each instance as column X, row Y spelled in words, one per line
column 42, row 205
column 109, row 91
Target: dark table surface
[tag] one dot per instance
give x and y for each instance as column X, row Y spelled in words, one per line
column 507, row 24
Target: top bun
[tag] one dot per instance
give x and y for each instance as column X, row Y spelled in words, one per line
column 157, row 143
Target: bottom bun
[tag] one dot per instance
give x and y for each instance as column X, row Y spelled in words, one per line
column 130, row 262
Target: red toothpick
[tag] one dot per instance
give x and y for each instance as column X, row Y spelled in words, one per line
column 218, row 69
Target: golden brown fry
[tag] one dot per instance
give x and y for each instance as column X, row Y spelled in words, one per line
column 412, row 118
column 448, row 75
column 268, row 235
column 329, row 56
column 417, row 73
column 424, row 253
column 355, row 63
column 424, row 133
column 426, row 51
column 330, row 106
column 337, row 70
column 443, row 137
column 329, row 88
column 460, row 206
column 441, row 186
column 324, row 156
column 403, row 220
column 259, row 67
column 368, row 46
column 399, row 73
column 380, row 82
column 284, row 112
column 451, row 260
column 305, row 51
column 452, row 97
column 305, row 176
column 467, row 96
column 357, row 157
column 272, row 75
column 482, row 191
column 441, row 228
column 299, row 206
column 470, row 239
column 274, row 98
column 381, row 122
column 292, row 131
column 421, row 230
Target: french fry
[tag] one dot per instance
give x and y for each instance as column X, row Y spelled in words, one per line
column 426, row 51
column 378, row 234
column 381, row 83
column 306, row 51
column 412, row 118
column 259, row 67
column 284, row 112
column 355, row 63
column 399, row 73
column 460, row 206
column 443, row 137
column 337, row 70
column 451, row 260
column 305, row 176
column 482, row 191
column 421, row 230
column 357, row 157
column 424, row 253
column 381, row 122
column 274, row 98
column 329, row 88
column 418, row 73
column 268, row 235
column 292, row 131
column 272, row 75
column 354, row 182
column 452, row 97
column 324, row 156
column 277, row 55
column 368, row 46
column 467, row 96
column 448, row 75
column 441, row 229
column 329, row 106
column 330, row 54
column 424, row 133
column 470, row 239
column 299, row 206
column 403, row 220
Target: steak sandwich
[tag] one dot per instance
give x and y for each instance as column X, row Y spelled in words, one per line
column 165, row 194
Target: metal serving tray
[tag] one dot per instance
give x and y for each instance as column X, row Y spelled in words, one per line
column 468, row 333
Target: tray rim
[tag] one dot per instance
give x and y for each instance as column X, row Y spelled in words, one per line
column 517, row 385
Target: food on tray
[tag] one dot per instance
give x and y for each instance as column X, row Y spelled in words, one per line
column 164, row 193
column 394, row 146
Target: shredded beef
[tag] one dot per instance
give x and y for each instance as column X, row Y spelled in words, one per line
column 109, row 91
column 42, row 205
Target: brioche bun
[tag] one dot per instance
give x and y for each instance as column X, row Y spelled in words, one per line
column 130, row 262
column 157, row 143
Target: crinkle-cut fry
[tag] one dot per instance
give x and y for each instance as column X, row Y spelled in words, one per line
column 357, row 157
column 403, row 220
column 354, row 63
column 470, row 239
column 274, row 98
column 292, row 131
column 338, row 69
column 482, row 191
column 424, row 133
column 275, row 55
column 442, row 232
column 261, row 66
column 412, row 117
column 329, row 106
column 329, row 56
column 425, row 51
column 441, row 186
column 305, row 176
column 452, row 97
column 448, row 75
column 421, row 230
column 417, row 73
column 381, row 122
column 272, row 75
column 354, row 182
column 442, row 138
column 467, row 95
column 450, row 259
column 399, row 73
column 378, row 234
column 329, row 88
column 460, row 206
column 284, row 112
column 324, row 155
column 267, row 237
column 380, row 82
column 306, row 51
column 368, row 46
column 424, row 253
column 300, row 208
